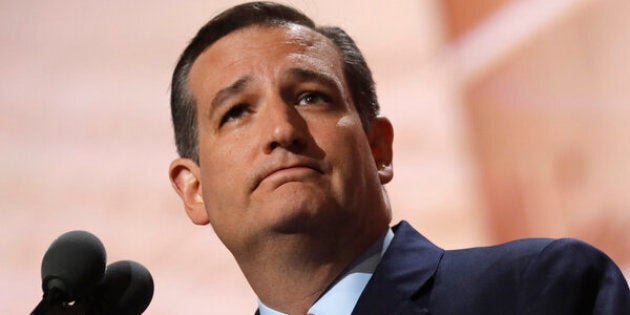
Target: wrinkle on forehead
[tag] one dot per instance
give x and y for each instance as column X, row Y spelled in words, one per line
column 303, row 40
column 298, row 46
column 301, row 35
column 298, row 35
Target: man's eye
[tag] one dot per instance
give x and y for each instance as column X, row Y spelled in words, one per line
column 312, row 98
column 234, row 113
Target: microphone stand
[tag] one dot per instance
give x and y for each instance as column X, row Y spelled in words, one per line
column 53, row 304
column 51, row 298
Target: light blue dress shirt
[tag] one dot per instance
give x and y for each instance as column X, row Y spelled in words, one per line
column 343, row 295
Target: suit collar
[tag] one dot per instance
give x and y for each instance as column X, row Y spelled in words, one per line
column 407, row 266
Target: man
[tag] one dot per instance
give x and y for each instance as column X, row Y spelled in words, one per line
column 283, row 153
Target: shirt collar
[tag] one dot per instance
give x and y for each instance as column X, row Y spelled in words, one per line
column 343, row 294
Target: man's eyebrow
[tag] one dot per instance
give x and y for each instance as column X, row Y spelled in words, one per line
column 306, row 75
column 237, row 87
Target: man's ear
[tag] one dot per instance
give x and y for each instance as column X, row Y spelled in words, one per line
column 381, row 137
column 186, row 180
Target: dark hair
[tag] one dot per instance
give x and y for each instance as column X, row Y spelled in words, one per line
column 183, row 106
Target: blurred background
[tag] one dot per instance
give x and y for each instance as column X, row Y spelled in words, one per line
column 511, row 121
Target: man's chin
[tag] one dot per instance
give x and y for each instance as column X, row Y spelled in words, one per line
column 296, row 222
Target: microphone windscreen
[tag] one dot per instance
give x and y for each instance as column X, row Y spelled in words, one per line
column 74, row 263
column 127, row 288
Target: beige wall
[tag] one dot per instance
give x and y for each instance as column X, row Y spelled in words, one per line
column 549, row 127
column 480, row 154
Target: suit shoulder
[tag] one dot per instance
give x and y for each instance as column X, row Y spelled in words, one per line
column 571, row 275
column 527, row 259
column 519, row 252
column 485, row 279
column 523, row 251
column 537, row 276
column 570, row 257
column 485, row 266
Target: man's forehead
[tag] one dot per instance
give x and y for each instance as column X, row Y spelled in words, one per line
column 288, row 33
column 260, row 45
column 273, row 38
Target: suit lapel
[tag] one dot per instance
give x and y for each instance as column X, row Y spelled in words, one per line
column 402, row 277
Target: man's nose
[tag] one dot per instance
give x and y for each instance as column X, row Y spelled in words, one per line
column 284, row 127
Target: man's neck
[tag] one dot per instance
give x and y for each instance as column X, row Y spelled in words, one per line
column 293, row 271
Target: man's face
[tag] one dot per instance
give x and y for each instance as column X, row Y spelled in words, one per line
column 281, row 145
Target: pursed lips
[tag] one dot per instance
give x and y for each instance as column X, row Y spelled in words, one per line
column 288, row 169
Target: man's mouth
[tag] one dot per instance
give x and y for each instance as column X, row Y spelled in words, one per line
column 282, row 173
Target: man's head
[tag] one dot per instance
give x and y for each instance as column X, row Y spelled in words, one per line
column 183, row 104
column 285, row 141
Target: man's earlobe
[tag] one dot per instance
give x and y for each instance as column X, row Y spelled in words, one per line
column 185, row 178
column 381, row 136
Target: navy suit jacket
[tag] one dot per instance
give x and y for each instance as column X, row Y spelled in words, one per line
column 532, row 276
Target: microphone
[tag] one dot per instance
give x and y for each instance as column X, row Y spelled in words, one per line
column 72, row 266
column 126, row 289
column 75, row 280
